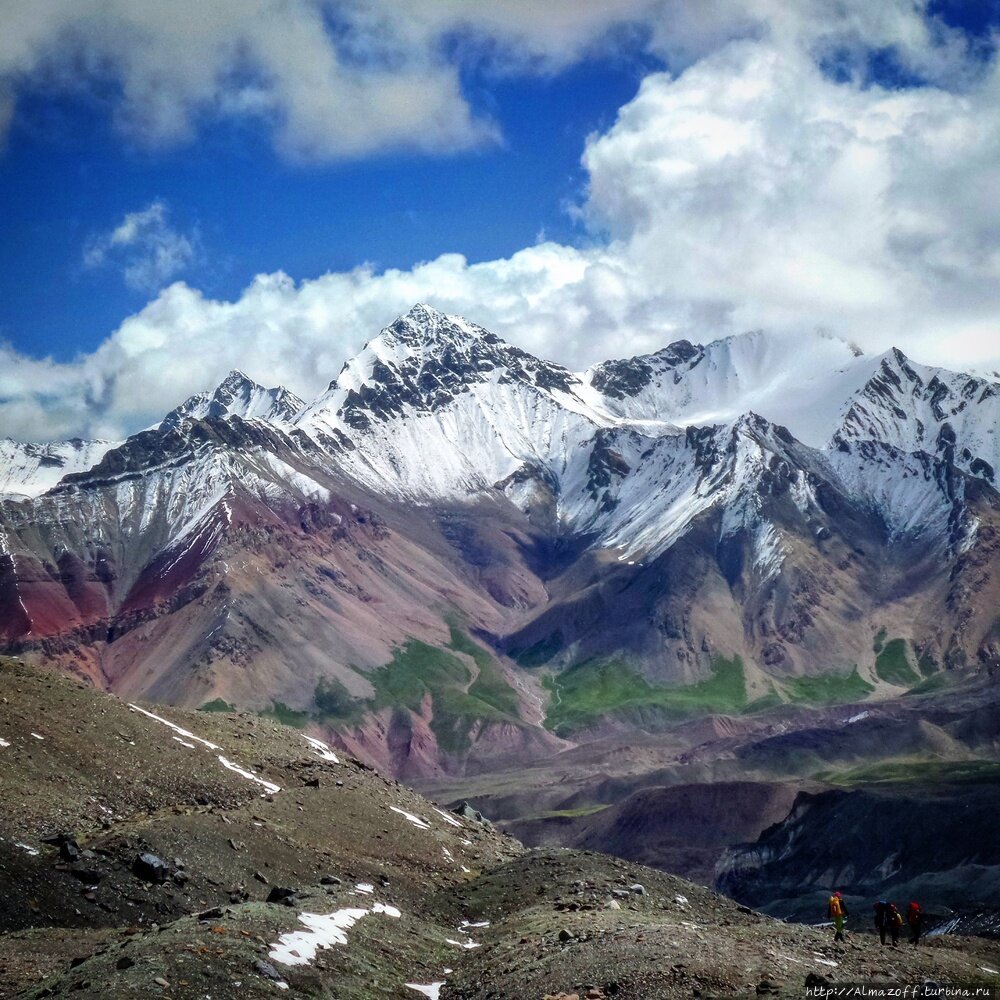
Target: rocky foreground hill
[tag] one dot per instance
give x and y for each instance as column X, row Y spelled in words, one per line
column 154, row 852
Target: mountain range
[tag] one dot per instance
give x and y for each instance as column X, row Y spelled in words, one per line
column 460, row 555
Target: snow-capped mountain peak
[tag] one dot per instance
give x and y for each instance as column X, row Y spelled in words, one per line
column 917, row 408
column 422, row 362
column 627, row 377
column 427, row 328
column 238, row 394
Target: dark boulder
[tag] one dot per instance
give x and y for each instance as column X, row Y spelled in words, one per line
column 150, row 868
column 69, row 849
column 267, row 970
column 468, row 812
column 90, row 876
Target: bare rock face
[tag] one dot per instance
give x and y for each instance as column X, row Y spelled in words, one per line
column 937, row 859
column 684, row 828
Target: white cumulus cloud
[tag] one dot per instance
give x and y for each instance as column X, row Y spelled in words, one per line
column 314, row 73
column 753, row 190
column 149, row 251
column 335, row 79
column 748, row 187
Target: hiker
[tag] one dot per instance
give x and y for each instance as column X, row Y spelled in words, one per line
column 895, row 922
column 837, row 910
column 882, row 919
column 915, row 918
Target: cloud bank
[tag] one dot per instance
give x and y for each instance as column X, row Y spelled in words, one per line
column 764, row 182
column 335, row 79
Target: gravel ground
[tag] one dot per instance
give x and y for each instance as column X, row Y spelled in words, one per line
column 82, row 921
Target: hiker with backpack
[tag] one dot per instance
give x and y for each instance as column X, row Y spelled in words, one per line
column 882, row 919
column 915, row 919
column 837, row 910
column 895, row 922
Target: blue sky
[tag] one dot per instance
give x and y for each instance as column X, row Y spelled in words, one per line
column 590, row 179
column 66, row 175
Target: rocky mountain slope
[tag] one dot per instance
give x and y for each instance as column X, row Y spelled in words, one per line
column 161, row 853
column 461, row 557
column 144, row 847
column 934, row 819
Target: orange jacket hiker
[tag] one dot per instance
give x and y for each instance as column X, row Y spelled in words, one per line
column 837, row 910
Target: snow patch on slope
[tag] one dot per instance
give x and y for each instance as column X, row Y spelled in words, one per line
column 186, row 734
column 324, row 930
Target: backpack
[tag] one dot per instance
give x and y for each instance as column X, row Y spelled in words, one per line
column 896, row 917
column 913, row 914
column 836, row 910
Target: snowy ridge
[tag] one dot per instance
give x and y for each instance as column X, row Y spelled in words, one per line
column 426, row 361
column 238, row 395
column 482, row 437
column 915, row 408
column 726, row 468
column 28, row 470
column 632, row 452
column 161, row 511
column 912, row 492
column 802, row 383
column 440, row 409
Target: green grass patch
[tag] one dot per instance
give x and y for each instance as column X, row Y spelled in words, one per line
column 456, row 713
column 765, row 702
column 334, row 703
column 927, row 664
column 830, row 689
column 908, row 770
column 596, row 688
column 892, row 665
column 490, row 686
column 936, row 683
column 217, row 705
column 280, row 712
column 462, row 642
column 418, row 669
